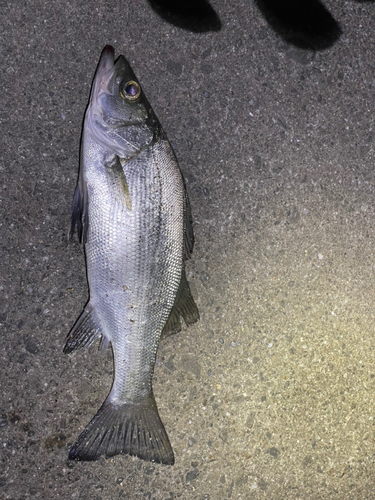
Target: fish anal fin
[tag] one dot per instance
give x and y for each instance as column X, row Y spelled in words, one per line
column 184, row 306
column 85, row 331
column 132, row 429
column 173, row 324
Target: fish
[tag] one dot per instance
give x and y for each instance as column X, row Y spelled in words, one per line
column 132, row 214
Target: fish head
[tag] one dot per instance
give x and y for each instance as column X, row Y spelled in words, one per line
column 118, row 114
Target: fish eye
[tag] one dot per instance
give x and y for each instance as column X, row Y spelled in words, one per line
column 131, row 91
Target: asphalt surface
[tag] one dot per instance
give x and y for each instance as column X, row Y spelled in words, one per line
column 271, row 394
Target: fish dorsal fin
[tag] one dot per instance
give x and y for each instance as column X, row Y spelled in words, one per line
column 86, row 330
column 80, row 212
column 184, row 306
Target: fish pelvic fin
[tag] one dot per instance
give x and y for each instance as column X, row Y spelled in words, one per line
column 132, row 429
column 85, row 331
column 189, row 232
column 184, row 306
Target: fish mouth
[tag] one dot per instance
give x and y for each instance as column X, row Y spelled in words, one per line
column 107, row 59
column 107, row 71
column 104, row 73
column 108, row 113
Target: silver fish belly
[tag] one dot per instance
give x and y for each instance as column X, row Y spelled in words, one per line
column 132, row 212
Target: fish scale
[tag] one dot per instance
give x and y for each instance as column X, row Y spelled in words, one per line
column 133, row 215
column 139, row 312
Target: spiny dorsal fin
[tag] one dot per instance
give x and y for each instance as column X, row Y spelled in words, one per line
column 79, row 217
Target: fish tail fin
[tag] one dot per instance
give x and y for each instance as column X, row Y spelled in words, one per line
column 133, row 429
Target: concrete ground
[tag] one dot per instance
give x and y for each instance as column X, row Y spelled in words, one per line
column 271, row 394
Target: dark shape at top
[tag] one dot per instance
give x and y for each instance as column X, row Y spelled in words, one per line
column 193, row 15
column 304, row 23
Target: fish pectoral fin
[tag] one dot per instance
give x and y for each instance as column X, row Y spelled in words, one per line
column 184, row 306
column 132, row 429
column 85, row 331
column 118, row 178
